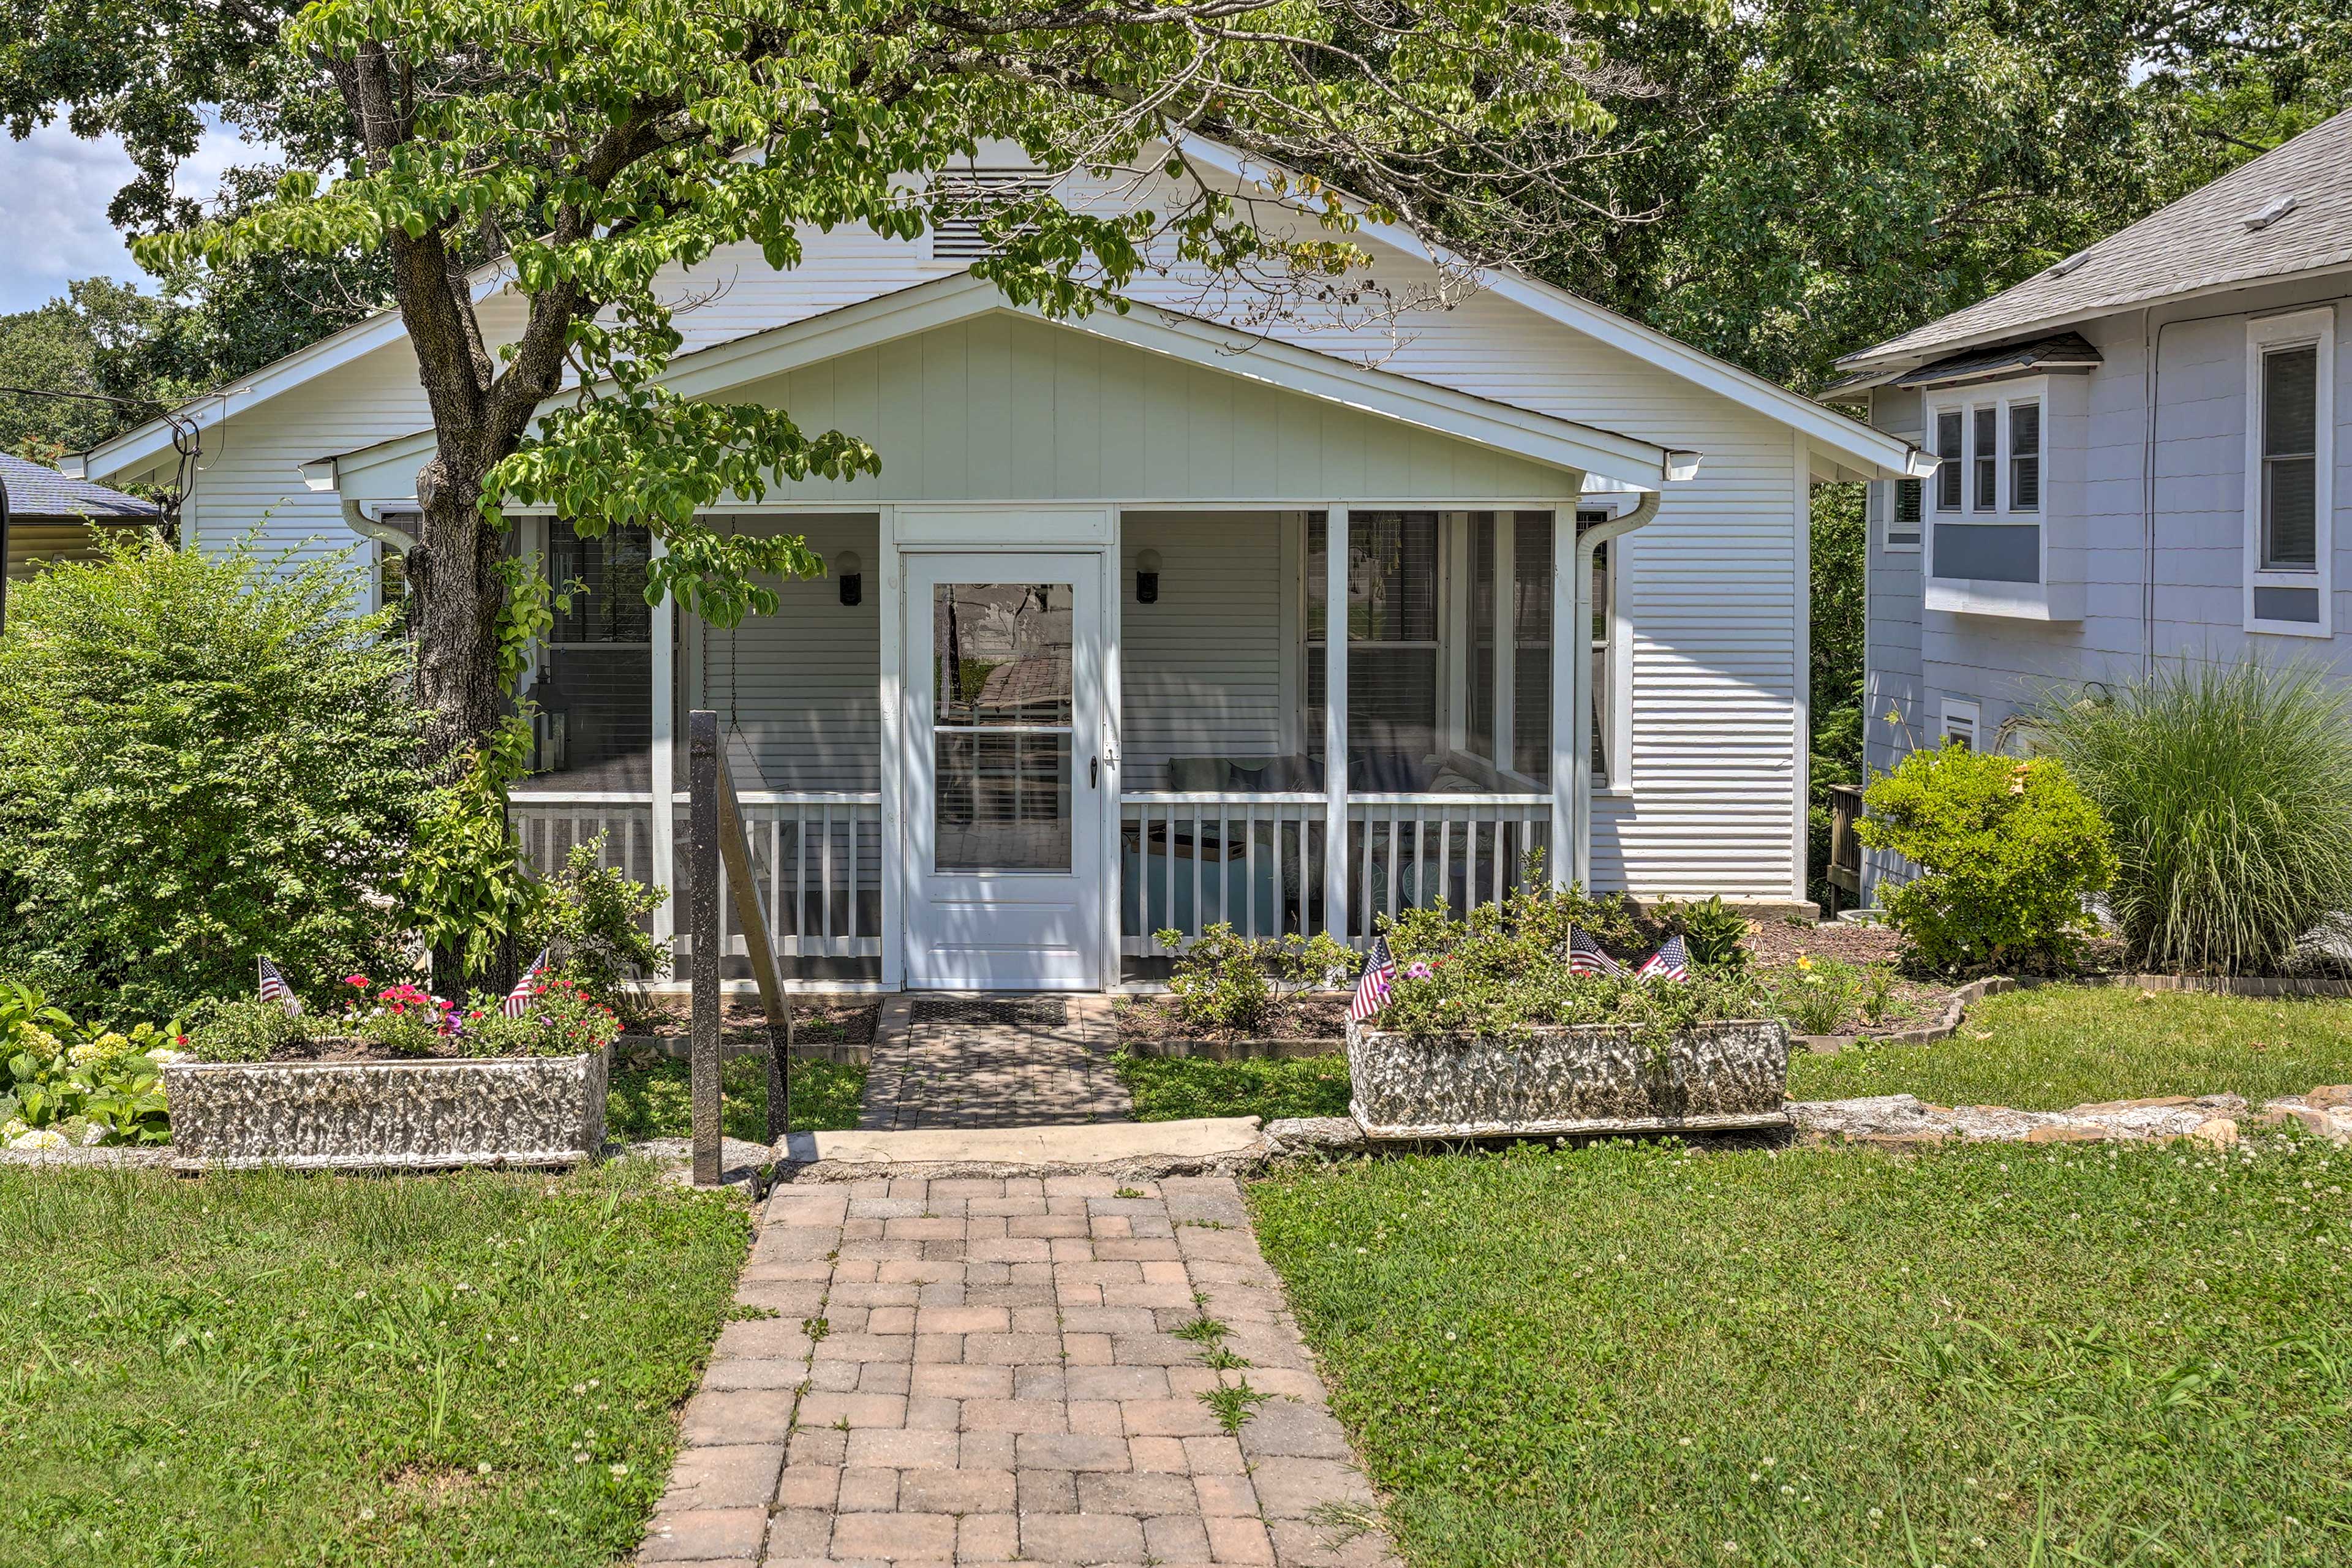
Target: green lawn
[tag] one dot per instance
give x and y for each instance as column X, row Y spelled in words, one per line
column 1175, row 1088
column 1626, row 1356
column 2058, row 1046
column 274, row 1368
column 657, row 1103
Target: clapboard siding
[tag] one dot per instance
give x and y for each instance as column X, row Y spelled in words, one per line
column 31, row 545
column 1200, row 672
column 799, row 691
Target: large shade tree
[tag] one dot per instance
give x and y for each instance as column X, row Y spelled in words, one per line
column 585, row 152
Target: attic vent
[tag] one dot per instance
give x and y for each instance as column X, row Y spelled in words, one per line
column 2070, row 264
column 2272, row 210
column 957, row 237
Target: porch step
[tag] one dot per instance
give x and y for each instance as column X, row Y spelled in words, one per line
column 1225, row 1145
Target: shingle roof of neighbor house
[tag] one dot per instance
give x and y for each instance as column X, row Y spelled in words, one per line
column 2240, row 229
column 35, row 491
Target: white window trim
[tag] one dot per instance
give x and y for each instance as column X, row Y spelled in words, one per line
column 1616, row 707
column 1890, row 503
column 1958, row 715
column 2001, row 397
column 2282, row 331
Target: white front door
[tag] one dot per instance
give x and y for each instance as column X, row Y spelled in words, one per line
column 1005, row 771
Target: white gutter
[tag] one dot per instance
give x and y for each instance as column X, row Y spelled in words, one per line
column 1574, row 642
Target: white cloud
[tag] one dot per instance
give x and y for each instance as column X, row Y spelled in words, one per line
column 54, row 188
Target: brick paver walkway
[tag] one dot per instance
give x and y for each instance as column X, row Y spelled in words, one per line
column 993, row 1372
column 948, row 1072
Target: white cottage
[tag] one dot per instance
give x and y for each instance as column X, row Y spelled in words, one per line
column 1148, row 622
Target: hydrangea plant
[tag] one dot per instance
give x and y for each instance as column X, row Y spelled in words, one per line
column 64, row 1085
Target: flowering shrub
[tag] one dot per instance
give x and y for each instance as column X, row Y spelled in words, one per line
column 561, row 1017
column 1503, row 969
column 62, row 1085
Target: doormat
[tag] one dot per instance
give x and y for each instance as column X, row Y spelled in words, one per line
column 1046, row 1012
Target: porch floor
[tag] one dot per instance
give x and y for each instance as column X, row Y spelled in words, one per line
column 952, row 1061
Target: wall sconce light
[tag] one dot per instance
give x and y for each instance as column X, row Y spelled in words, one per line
column 851, row 571
column 1147, row 577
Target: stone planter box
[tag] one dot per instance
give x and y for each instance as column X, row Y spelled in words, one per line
column 490, row 1110
column 1576, row 1079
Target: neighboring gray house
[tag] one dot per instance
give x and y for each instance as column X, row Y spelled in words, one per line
column 45, row 516
column 2142, row 454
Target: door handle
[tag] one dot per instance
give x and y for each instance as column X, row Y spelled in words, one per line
column 1094, row 767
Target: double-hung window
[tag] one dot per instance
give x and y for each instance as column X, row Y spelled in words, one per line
column 1905, row 500
column 2290, row 429
column 1947, row 422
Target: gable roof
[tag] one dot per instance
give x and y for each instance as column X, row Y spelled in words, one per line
column 34, row 491
column 2216, row 236
column 384, row 472
column 2064, row 353
column 1858, row 444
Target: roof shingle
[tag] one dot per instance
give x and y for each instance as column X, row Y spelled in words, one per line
column 35, row 491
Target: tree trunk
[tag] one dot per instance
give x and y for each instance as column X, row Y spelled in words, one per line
column 455, row 613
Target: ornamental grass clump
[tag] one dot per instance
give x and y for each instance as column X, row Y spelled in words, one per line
column 2009, row 852
column 1503, row 969
column 2228, row 790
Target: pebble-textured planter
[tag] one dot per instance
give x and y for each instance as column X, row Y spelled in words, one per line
column 490, row 1110
column 1576, row 1079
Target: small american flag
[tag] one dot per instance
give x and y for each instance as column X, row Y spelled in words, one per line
column 519, row 999
column 1673, row 961
column 1372, row 990
column 275, row 989
column 1585, row 957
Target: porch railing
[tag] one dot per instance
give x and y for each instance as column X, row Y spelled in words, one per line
column 550, row 824
column 1188, row 861
column 816, row 859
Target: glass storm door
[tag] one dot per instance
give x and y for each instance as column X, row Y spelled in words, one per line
column 1003, row 806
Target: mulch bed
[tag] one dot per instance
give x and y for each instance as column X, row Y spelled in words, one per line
column 1154, row 1020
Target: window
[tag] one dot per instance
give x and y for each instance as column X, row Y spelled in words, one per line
column 2025, row 456
column 2290, row 459
column 2290, row 436
column 1902, row 522
column 1984, row 456
column 1948, row 460
column 1603, row 641
column 1961, row 724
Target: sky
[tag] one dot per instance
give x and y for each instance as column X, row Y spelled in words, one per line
column 54, row 187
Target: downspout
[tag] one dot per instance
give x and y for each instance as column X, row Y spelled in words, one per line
column 1578, row 635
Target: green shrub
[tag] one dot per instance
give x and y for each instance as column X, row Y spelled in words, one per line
column 2227, row 789
column 1503, row 969
column 2007, row 852
column 64, row 1084
column 1713, row 933
column 1225, row 983
column 590, row 919
column 245, row 1030
column 204, row 760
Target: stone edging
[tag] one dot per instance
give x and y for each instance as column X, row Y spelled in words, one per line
column 678, row 1049
column 1946, row 1027
column 1905, row 1121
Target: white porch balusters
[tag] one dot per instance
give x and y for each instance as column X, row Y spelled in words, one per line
column 1335, row 723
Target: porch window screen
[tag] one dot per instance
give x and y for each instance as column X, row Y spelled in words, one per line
column 595, row 688
column 1392, row 642
column 1479, row 723
column 1001, row 725
column 2290, row 459
column 1531, row 646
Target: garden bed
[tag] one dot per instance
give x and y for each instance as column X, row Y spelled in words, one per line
column 1572, row 1080
column 361, row 1114
column 1306, row 1023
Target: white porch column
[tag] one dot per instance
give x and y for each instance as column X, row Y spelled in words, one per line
column 1507, row 625
column 1335, row 722
column 888, row 565
column 661, row 757
column 1570, row 859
